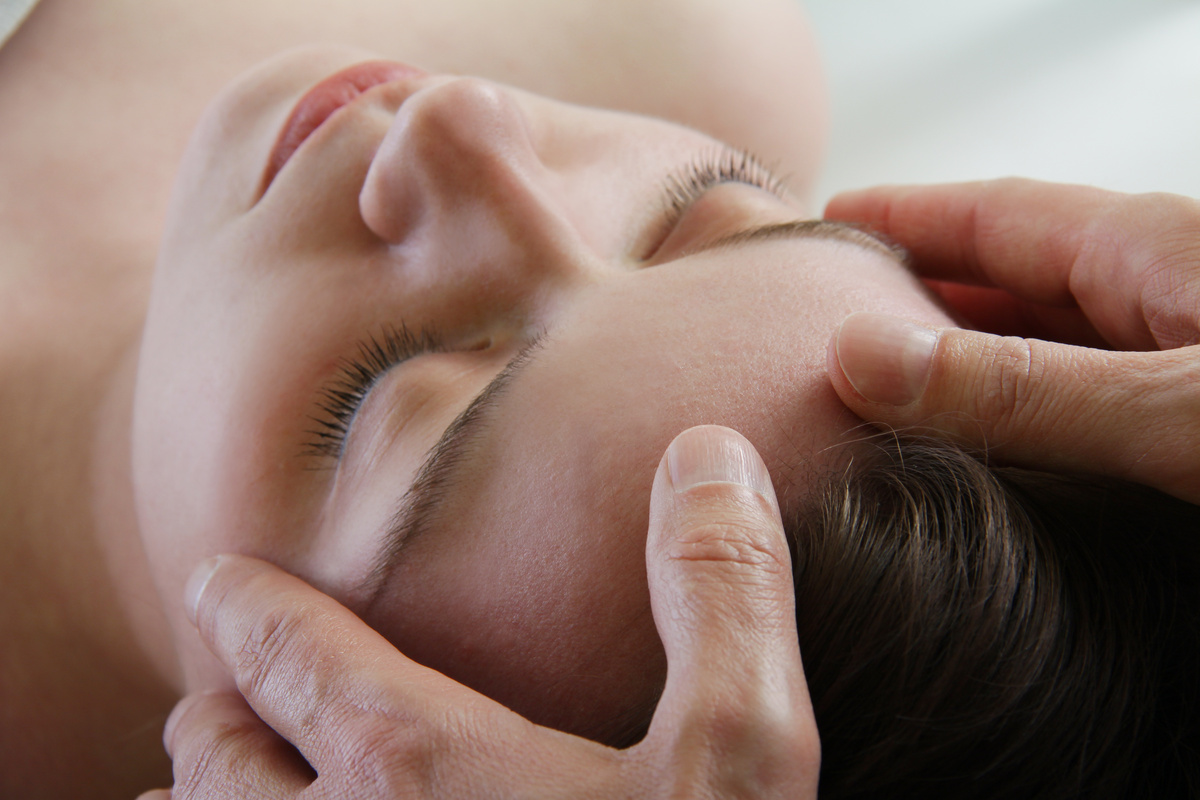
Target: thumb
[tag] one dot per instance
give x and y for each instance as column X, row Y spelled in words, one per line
column 735, row 709
column 1131, row 415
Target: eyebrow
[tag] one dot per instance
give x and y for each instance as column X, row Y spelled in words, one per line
column 420, row 506
column 806, row 229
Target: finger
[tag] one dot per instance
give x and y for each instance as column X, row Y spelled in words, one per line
column 305, row 663
column 155, row 794
column 1024, row 401
column 984, row 308
column 1122, row 258
column 988, row 233
column 735, row 708
column 356, row 708
column 220, row 748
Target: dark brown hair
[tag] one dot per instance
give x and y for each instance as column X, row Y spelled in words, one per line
column 979, row 632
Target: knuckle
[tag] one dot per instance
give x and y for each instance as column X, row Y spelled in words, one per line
column 728, row 748
column 211, row 756
column 728, row 721
column 1165, row 396
column 1166, row 210
column 1152, row 275
column 987, row 224
column 735, row 539
column 394, row 760
column 1012, row 372
column 1169, row 270
column 271, row 638
column 279, row 663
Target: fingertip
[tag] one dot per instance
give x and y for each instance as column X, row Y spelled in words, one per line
column 168, row 737
column 713, row 513
column 709, row 454
column 867, row 206
column 181, row 710
column 846, row 205
column 213, row 578
column 705, row 468
column 887, row 360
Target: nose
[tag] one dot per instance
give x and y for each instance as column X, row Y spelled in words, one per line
column 459, row 180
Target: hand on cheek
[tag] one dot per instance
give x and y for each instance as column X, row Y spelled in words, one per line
column 333, row 710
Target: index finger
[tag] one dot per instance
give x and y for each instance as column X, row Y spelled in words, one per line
column 305, row 663
column 986, row 233
column 1119, row 257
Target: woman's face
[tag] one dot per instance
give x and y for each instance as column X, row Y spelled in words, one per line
column 431, row 365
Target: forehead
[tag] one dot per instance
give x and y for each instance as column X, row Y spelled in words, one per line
column 539, row 555
column 734, row 336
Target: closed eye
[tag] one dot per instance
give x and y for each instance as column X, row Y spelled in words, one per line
column 710, row 168
column 344, row 395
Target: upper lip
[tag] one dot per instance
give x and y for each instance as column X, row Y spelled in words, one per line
column 324, row 99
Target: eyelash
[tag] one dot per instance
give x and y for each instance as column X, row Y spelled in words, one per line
column 712, row 168
column 341, row 399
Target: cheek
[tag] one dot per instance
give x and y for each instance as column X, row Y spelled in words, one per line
column 215, row 469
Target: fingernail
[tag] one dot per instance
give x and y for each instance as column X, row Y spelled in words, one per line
column 196, row 584
column 886, row 359
column 713, row 454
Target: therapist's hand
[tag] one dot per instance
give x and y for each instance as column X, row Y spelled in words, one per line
column 734, row 720
column 1071, row 264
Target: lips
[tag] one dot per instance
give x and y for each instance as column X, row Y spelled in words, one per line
column 322, row 100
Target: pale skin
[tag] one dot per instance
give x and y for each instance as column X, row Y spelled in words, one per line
column 1141, row 242
column 94, row 681
column 1098, row 294
column 99, row 99
column 529, row 584
column 734, row 720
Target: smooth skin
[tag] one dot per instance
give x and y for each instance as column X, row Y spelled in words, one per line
column 1070, row 265
column 528, row 584
column 1068, row 262
column 735, row 719
column 98, row 100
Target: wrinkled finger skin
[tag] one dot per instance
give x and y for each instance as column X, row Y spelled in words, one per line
column 220, row 748
column 1085, row 265
column 735, row 719
column 1043, row 405
column 724, row 603
column 1130, row 263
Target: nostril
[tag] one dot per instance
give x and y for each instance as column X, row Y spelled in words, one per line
column 456, row 141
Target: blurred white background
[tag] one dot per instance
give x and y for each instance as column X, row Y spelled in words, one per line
column 1105, row 92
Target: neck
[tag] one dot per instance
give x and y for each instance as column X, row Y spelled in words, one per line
column 88, row 674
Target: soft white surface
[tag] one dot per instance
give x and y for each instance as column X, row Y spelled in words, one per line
column 1105, row 92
